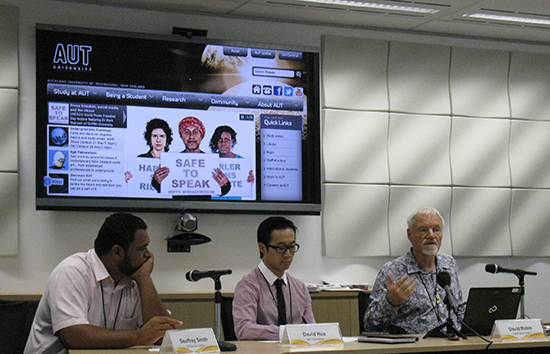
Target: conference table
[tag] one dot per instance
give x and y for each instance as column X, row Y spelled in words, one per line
column 429, row 345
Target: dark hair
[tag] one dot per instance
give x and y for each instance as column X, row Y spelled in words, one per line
column 118, row 229
column 218, row 134
column 157, row 123
column 269, row 225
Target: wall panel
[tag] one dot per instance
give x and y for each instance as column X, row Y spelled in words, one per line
column 9, row 63
column 418, row 149
column 418, row 78
column 355, row 146
column 530, row 154
column 479, row 152
column 529, row 85
column 8, row 134
column 9, row 217
column 480, row 222
column 361, row 82
column 479, row 88
column 530, row 231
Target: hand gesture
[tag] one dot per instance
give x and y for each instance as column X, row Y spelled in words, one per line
column 250, row 178
column 400, row 291
column 219, row 176
column 145, row 269
column 161, row 173
column 127, row 176
column 155, row 329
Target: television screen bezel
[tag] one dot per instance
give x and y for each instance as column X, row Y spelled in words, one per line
column 313, row 193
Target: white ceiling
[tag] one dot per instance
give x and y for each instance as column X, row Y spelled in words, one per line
column 449, row 20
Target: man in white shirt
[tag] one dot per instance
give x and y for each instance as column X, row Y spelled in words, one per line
column 103, row 298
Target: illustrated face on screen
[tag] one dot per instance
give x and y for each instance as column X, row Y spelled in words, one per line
column 191, row 138
column 158, row 139
column 191, row 131
column 225, row 143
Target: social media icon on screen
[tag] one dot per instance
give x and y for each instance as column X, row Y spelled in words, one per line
column 289, row 91
column 278, row 90
column 256, row 89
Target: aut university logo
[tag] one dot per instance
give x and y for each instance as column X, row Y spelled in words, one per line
column 73, row 57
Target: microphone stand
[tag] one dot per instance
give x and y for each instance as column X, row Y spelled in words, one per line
column 521, row 278
column 446, row 329
column 224, row 346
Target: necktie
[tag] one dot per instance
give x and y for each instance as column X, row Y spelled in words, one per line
column 280, row 301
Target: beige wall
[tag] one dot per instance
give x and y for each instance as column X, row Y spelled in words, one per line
column 463, row 129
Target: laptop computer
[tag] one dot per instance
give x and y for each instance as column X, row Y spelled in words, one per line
column 485, row 305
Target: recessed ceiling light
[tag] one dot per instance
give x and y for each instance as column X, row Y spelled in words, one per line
column 505, row 18
column 374, row 5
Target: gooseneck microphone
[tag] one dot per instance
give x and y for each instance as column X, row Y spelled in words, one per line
column 493, row 268
column 444, row 280
column 196, row 275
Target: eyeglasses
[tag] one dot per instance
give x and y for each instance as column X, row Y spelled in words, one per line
column 282, row 249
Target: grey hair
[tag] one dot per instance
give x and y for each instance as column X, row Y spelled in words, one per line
column 426, row 210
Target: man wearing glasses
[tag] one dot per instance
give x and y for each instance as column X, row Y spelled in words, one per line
column 268, row 296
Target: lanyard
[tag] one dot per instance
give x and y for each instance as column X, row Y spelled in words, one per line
column 436, row 298
column 105, row 312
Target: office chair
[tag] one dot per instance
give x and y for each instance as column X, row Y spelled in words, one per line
column 227, row 318
column 16, row 319
column 364, row 299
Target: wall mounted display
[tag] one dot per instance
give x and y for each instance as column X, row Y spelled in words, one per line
column 168, row 123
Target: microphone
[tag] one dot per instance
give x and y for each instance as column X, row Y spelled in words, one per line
column 493, row 268
column 196, row 275
column 444, row 280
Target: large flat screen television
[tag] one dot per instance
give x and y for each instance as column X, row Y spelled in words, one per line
column 132, row 121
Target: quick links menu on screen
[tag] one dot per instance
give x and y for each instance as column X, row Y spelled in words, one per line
column 281, row 155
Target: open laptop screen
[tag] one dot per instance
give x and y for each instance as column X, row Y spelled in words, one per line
column 485, row 305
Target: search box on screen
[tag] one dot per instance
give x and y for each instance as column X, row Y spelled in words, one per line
column 271, row 72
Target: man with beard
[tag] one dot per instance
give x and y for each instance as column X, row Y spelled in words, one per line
column 103, row 298
column 406, row 297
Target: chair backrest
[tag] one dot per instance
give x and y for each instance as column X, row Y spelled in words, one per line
column 364, row 298
column 227, row 318
column 16, row 319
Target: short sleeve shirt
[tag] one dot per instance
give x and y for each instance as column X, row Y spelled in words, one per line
column 81, row 291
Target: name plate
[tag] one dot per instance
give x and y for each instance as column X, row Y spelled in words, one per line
column 510, row 330
column 190, row 341
column 317, row 334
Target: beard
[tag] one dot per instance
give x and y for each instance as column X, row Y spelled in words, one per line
column 126, row 267
column 430, row 249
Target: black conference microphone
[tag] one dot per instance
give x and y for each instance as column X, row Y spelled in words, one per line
column 493, row 268
column 444, row 280
column 196, row 275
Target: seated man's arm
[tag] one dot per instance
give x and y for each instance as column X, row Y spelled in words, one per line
column 385, row 300
column 151, row 304
column 89, row 336
column 307, row 315
column 245, row 312
column 69, row 299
